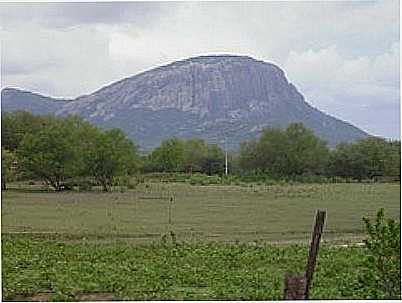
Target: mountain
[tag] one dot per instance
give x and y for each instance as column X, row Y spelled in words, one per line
column 15, row 100
column 210, row 97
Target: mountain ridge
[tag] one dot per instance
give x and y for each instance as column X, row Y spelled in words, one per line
column 216, row 97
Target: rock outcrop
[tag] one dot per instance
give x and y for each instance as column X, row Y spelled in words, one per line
column 216, row 98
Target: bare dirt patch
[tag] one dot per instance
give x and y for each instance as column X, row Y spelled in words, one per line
column 95, row 296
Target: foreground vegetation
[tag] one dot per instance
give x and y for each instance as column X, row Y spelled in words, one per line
column 49, row 269
column 223, row 242
column 35, row 267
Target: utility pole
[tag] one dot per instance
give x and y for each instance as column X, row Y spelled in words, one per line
column 226, row 159
column 226, row 163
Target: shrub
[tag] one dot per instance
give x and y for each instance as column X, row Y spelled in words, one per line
column 121, row 180
column 201, row 179
column 133, row 183
column 382, row 277
column 85, row 185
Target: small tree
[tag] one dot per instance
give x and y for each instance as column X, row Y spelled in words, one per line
column 290, row 152
column 8, row 172
column 307, row 154
column 51, row 154
column 382, row 278
column 168, row 157
column 109, row 154
column 348, row 161
column 195, row 150
column 214, row 162
column 366, row 159
column 14, row 126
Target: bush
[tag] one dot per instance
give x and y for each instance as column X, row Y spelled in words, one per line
column 133, row 183
column 121, row 181
column 230, row 179
column 201, row 179
column 85, row 185
column 382, row 277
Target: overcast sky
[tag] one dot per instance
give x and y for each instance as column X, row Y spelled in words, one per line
column 342, row 56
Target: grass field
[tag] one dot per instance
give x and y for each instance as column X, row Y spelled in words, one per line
column 225, row 213
column 229, row 242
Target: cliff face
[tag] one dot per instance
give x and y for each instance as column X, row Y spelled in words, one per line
column 210, row 87
column 212, row 97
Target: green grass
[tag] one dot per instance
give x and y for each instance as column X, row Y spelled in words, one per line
column 55, row 270
column 224, row 213
column 111, row 246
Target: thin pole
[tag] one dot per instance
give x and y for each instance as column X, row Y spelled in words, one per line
column 226, row 159
column 226, row 163
column 314, row 246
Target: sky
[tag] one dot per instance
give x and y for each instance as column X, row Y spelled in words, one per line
column 342, row 56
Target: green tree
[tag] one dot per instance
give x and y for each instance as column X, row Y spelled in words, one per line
column 8, row 169
column 366, row 159
column 348, row 161
column 392, row 161
column 272, row 153
column 306, row 154
column 290, row 152
column 108, row 155
column 14, row 126
column 168, row 157
column 375, row 151
column 194, row 153
column 247, row 159
column 52, row 153
column 214, row 161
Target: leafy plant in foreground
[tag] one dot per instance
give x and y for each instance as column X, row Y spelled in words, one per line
column 383, row 274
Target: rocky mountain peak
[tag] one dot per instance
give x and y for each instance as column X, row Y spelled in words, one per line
column 208, row 86
column 217, row 98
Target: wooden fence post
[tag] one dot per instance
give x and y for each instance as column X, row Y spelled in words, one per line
column 297, row 286
column 314, row 246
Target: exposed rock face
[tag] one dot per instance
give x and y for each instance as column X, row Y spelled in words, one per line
column 212, row 97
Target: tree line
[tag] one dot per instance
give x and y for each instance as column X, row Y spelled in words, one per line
column 296, row 151
column 55, row 149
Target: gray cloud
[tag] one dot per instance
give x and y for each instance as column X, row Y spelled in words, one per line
column 67, row 14
column 343, row 56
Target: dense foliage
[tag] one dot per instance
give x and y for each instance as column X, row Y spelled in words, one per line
column 109, row 154
column 290, row 152
column 14, row 127
column 296, row 152
column 51, row 154
column 369, row 158
column 58, row 149
column 382, row 276
column 189, row 156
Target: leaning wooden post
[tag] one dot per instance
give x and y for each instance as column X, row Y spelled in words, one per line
column 314, row 246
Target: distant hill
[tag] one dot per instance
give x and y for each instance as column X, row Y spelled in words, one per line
column 15, row 100
column 210, row 97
